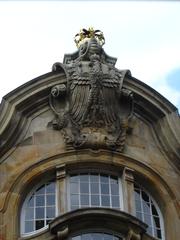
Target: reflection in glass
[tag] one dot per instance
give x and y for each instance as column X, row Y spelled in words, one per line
column 39, row 224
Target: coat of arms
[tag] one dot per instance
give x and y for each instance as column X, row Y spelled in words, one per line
column 92, row 108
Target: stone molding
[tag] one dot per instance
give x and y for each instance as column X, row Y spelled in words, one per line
column 93, row 218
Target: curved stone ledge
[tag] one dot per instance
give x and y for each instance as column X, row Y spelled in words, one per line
column 97, row 218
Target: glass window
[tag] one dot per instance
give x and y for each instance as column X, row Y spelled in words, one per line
column 96, row 236
column 94, row 190
column 39, row 208
column 148, row 212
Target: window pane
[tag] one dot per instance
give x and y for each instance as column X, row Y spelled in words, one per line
column 115, row 201
column 40, row 200
column 50, row 212
column 39, row 224
column 108, row 237
column 74, row 200
column 50, row 200
column 34, row 209
column 40, row 190
column 104, row 189
column 147, row 219
column 86, row 237
column 146, row 207
column 77, row 238
column 39, row 213
column 114, row 180
column 29, row 226
column 94, row 188
column 114, row 189
column 156, row 222
column 154, row 212
column 50, row 188
column 139, row 215
column 94, row 178
column 84, row 187
column 159, row 233
column 29, row 213
column 145, row 197
column 138, row 206
column 137, row 195
column 74, row 178
column 84, row 178
column 105, row 200
column 74, row 207
column 85, row 200
column 97, row 236
column 74, row 187
column 31, row 201
column 104, row 178
column 149, row 230
column 147, row 212
column 95, row 200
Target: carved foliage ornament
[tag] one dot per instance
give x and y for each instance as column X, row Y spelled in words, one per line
column 91, row 107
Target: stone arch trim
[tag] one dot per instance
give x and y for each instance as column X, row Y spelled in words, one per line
column 13, row 199
column 81, row 157
column 111, row 219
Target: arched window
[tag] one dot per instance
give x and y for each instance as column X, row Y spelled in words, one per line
column 86, row 188
column 148, row 211
column 39, row 208
column 96, row 236
column 95, row 190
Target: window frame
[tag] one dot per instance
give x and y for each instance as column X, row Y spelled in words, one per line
column 161, row 219
column 26, row 199
column 96, row 171
column 62, row 191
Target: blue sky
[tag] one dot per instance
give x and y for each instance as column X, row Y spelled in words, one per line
column 143, row 35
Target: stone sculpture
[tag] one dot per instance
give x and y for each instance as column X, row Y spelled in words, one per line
column 94, row 106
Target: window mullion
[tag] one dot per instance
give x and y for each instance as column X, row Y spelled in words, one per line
column 109, row 182
column 100, row 195
column 34, row 222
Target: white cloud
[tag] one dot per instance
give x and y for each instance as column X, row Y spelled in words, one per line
column 144, row 36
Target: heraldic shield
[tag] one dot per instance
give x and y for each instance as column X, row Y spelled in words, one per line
column 91, row 107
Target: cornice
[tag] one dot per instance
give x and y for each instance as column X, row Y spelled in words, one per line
column 148, row 101
column 161, row 114
column 18, row 107
column 111, row 219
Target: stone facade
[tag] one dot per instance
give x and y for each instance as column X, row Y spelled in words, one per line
column 143, row 145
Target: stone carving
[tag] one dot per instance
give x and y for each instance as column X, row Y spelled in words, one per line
column 94, row 108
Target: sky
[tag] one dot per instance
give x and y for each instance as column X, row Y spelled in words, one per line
column 144, row 36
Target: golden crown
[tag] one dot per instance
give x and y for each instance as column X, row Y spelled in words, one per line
column 85, row 34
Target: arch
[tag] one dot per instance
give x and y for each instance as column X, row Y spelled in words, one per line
column 79, row 158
